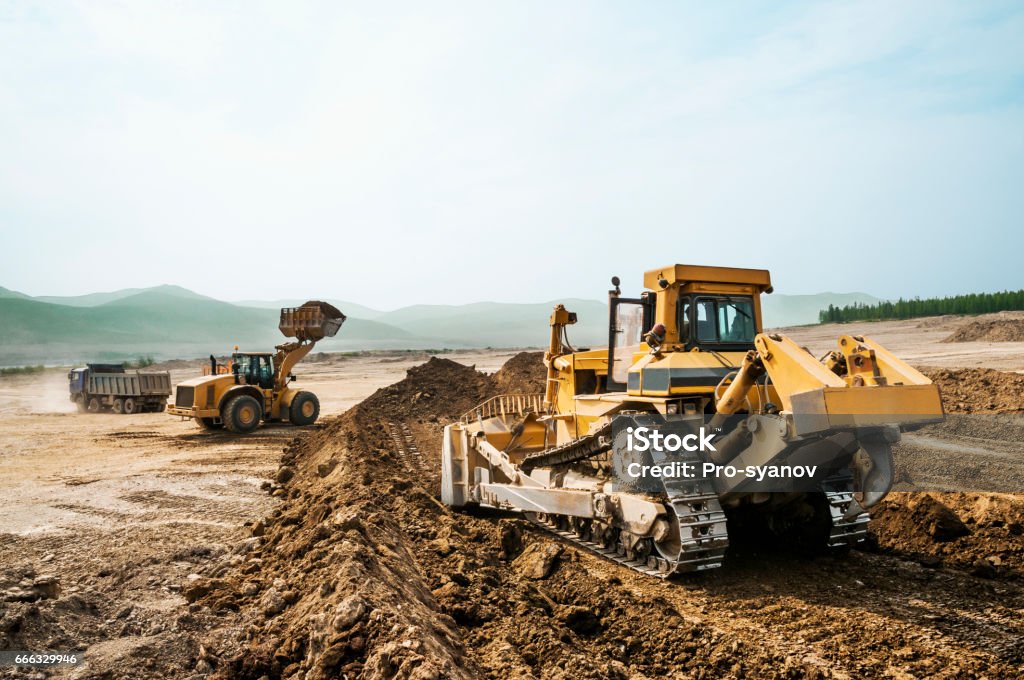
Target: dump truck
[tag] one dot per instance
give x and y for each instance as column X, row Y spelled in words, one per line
column 255, row 387
column 112, row 387
column 689, row 360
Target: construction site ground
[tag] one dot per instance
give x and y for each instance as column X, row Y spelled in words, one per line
column 160, row 550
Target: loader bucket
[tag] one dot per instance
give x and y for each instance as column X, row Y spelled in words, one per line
column 314, row 321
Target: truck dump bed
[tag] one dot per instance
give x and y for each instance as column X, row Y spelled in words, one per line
column 130, row 384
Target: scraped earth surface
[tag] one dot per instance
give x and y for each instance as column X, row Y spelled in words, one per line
column 346, row 565
column 990, row 330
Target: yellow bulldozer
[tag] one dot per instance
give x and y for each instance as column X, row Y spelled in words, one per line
column 789, row 444
column 256, row 386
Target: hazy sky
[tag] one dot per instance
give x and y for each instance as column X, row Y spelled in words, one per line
column 397, row 153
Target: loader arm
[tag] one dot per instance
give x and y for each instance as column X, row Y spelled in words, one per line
column 288, row 355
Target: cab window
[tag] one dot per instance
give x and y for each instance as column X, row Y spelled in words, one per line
column 717, row 320
column 255, row 369
column 706, row 331
column 735, row 321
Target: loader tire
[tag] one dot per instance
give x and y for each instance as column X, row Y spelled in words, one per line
column 304, row 409
column 94, row 405
column 208, row 424
column 118, row 406
column 130, row 406
column 242, row 414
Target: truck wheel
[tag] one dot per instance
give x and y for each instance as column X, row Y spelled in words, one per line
column 161, row 407
column 209, row 424
column 94, row 405
column 304, row 409
column 129, row 406
column 242, row 414
column 118, row 406
column 80, row 404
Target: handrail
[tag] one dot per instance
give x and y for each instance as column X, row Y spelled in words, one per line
column 504, row 404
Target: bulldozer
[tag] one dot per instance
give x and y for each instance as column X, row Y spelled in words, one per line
column 255, row 387
column 688, row 358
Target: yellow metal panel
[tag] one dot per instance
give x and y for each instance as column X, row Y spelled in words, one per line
column 688, row 273
column 792, row 369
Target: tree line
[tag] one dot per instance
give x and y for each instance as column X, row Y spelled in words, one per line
column 975, row 303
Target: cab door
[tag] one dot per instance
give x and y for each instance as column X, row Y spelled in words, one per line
column 628, row 320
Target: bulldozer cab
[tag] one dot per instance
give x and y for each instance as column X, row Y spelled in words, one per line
column 254, row 368
column 710, row 309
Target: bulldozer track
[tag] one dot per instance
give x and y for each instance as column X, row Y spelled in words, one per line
column 703, row 530
column 699, row 519
column 596, row 548
column 582, row 448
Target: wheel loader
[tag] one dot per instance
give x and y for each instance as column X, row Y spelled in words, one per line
column 688, row 358
column 256, row 387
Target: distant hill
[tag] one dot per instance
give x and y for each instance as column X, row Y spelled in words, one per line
column 156, row 322
column 496, row 324
column 801, row 310
column 7, row 293
column 96, row 299
column 171, row 321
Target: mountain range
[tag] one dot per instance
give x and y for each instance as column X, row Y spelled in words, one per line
column 171, row 321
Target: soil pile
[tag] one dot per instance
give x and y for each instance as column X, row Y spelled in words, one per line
column 522, row 374
column 989, row 330
column 978, row 390
column 983, row 533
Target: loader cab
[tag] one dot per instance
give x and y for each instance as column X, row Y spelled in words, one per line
column 254, row 368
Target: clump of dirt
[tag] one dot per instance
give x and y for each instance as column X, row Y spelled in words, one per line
column 989, row 330
column 978, row 390
column 982, row 533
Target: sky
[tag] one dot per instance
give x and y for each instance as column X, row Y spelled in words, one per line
column 450, row 152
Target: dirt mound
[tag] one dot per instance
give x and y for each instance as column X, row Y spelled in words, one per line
column 982, row 533
column 978, row 390
column 439, row 388
column 524, row 373
column 989, row 330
